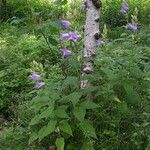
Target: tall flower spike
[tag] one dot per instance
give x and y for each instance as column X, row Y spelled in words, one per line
column 65, row 24
column 66, row 52
column 35, row 76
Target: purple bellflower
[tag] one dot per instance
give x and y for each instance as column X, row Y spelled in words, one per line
column 35, row 76
column 66, row 52
column 132, row 26
column 124, row 8
column 39, row 85
column 72, row 36
column 65, row 24
column 100, row 42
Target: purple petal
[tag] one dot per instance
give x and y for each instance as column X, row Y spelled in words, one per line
column 64, row 36
column 65, row 24
column 132, row 27
column 39, row 85
column 66, row 52
column 100, row 42
column 124, row 8
column 35, row 76
column 73, row 36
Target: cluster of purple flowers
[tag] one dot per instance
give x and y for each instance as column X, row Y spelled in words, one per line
column 36, row 77
column 124, row 9
column 71, row 36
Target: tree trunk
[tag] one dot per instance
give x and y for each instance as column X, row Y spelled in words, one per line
column 92, row 33
column 2, row 2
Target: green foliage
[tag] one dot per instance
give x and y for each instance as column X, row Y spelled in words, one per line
column 113, row 113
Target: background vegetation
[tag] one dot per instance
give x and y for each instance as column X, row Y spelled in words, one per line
column 120, row 112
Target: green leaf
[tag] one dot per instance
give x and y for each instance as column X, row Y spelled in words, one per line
column 65, row 127
column 33, row 137
column 87, row 145
column 52, row 41
column 89, row 105
column 46, row 130
column 88, row 129
column 44, row 114
column 71, row 81
column 35, row 120
column 73, row 97
column 61, row 113
column 132, row 95
column 79, row 113
column 60, row 143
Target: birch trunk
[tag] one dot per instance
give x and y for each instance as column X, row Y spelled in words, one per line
column 92, row 33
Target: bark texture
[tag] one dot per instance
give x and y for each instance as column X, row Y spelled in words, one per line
column 92, row 33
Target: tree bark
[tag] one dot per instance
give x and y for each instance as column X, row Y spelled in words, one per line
column 92, row 33
column 2, row 2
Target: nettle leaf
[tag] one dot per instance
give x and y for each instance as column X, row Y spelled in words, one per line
column 70, row 81
column 39, row 102
column 132, row 95
column 79, row 113
column 88, row 129
column 46, row 130
column 46, row 113
column 88, row 105
column 65, row 127
column 73, row 97
column 60, row 143
column 89, row 90
column 61, row 113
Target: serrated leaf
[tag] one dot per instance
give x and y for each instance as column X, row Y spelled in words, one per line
column 65, row 127
column 60, row 143
column 46, row 113
column 88, row 105
column 73, row 97
column 132, row 95
column 70, row 81
column 79, row 113
column 61, row 113
column 46, row 130
column 35, row 120
column 88, row 129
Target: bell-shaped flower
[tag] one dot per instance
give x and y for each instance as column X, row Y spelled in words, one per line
column 100, row 42
column 39, row 85
column 35, row 76
column 124, row 8
column 66, row 52
column 65, row 24
column 132, row 26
